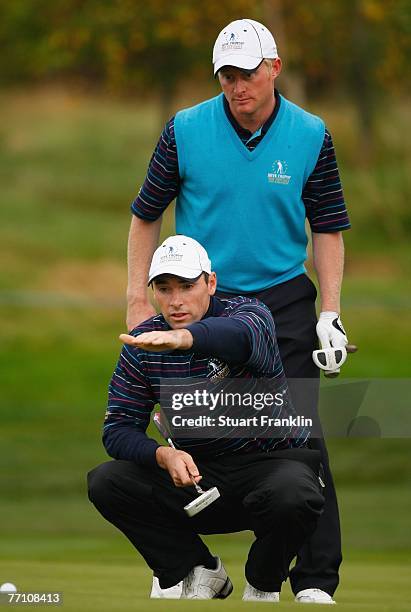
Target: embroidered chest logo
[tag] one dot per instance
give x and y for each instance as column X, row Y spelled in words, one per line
column 278, row 173
column 232, row 42
column 217, row 369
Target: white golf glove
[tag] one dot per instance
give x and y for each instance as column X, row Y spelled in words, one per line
column 333, row 341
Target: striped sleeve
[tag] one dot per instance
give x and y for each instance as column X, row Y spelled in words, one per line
column 130, row 402
column 265, row 357
column 244, row 334
column 323, row 196
column 162, row 182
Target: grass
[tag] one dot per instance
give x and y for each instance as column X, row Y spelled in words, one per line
column 93, row 587
column 66, row 546
column 69, row 167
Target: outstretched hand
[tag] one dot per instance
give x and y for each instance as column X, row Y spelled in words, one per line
column 174, row 339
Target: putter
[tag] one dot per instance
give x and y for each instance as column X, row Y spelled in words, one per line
column 331, row 359
column 205, row 498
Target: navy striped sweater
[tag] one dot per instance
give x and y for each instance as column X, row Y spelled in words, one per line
column 240, row 333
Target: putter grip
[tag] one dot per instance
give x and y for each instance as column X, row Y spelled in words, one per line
column 160, row 426
column 350, row 348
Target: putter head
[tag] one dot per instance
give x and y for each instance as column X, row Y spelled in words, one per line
column 202, row 501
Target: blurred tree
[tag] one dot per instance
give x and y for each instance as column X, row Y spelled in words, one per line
column 357, row 50
column 130, row 46
column 292, row 82
column 143, row 47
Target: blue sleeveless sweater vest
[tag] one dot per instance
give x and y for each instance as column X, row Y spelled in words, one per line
column 245, row 207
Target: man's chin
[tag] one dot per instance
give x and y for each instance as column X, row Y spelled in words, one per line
column 245, row 108
column 179, row 324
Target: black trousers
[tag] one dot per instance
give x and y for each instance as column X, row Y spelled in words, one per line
column 277, row 495
column 292, row 305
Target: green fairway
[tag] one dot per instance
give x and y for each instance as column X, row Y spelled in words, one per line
column 383, row 587
column 62, row 544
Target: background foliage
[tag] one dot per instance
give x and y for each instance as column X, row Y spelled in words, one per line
column 125, row 43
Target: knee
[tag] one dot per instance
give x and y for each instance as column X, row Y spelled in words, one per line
column 99, row 482
column 289, row 505
column 302, row 504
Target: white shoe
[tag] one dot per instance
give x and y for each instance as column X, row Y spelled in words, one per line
column 173, row 592
column 253, row 594
column 203, row 583
column 314, row 596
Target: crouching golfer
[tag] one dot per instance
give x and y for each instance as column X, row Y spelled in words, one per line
column 267, row 485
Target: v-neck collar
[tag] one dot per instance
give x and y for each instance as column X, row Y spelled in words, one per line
column 233, row 132
column 244, row 131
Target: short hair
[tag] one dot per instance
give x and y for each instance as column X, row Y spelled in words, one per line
column 268, row 63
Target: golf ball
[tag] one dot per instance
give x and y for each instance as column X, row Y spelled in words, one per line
column 8, row 587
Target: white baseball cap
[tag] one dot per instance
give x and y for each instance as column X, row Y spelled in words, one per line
column 181, row 256
column 244, row 43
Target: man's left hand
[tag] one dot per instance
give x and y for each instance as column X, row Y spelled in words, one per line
column 331, row 335
column 330, row 330
column 175, row 339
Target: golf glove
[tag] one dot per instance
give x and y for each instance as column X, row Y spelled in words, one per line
column 333, row 341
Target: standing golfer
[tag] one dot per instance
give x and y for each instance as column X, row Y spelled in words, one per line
column 268, row 485
column 248, row 168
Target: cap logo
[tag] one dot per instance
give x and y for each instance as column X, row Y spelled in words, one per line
column 232, row 42
column 171, row 255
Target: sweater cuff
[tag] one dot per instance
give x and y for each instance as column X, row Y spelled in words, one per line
column 147, row 453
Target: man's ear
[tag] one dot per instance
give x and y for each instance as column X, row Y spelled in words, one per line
column 212, row 283
column 277, row 65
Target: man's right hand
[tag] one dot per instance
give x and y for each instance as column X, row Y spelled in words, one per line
column 179, row 464
column 138, row 312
